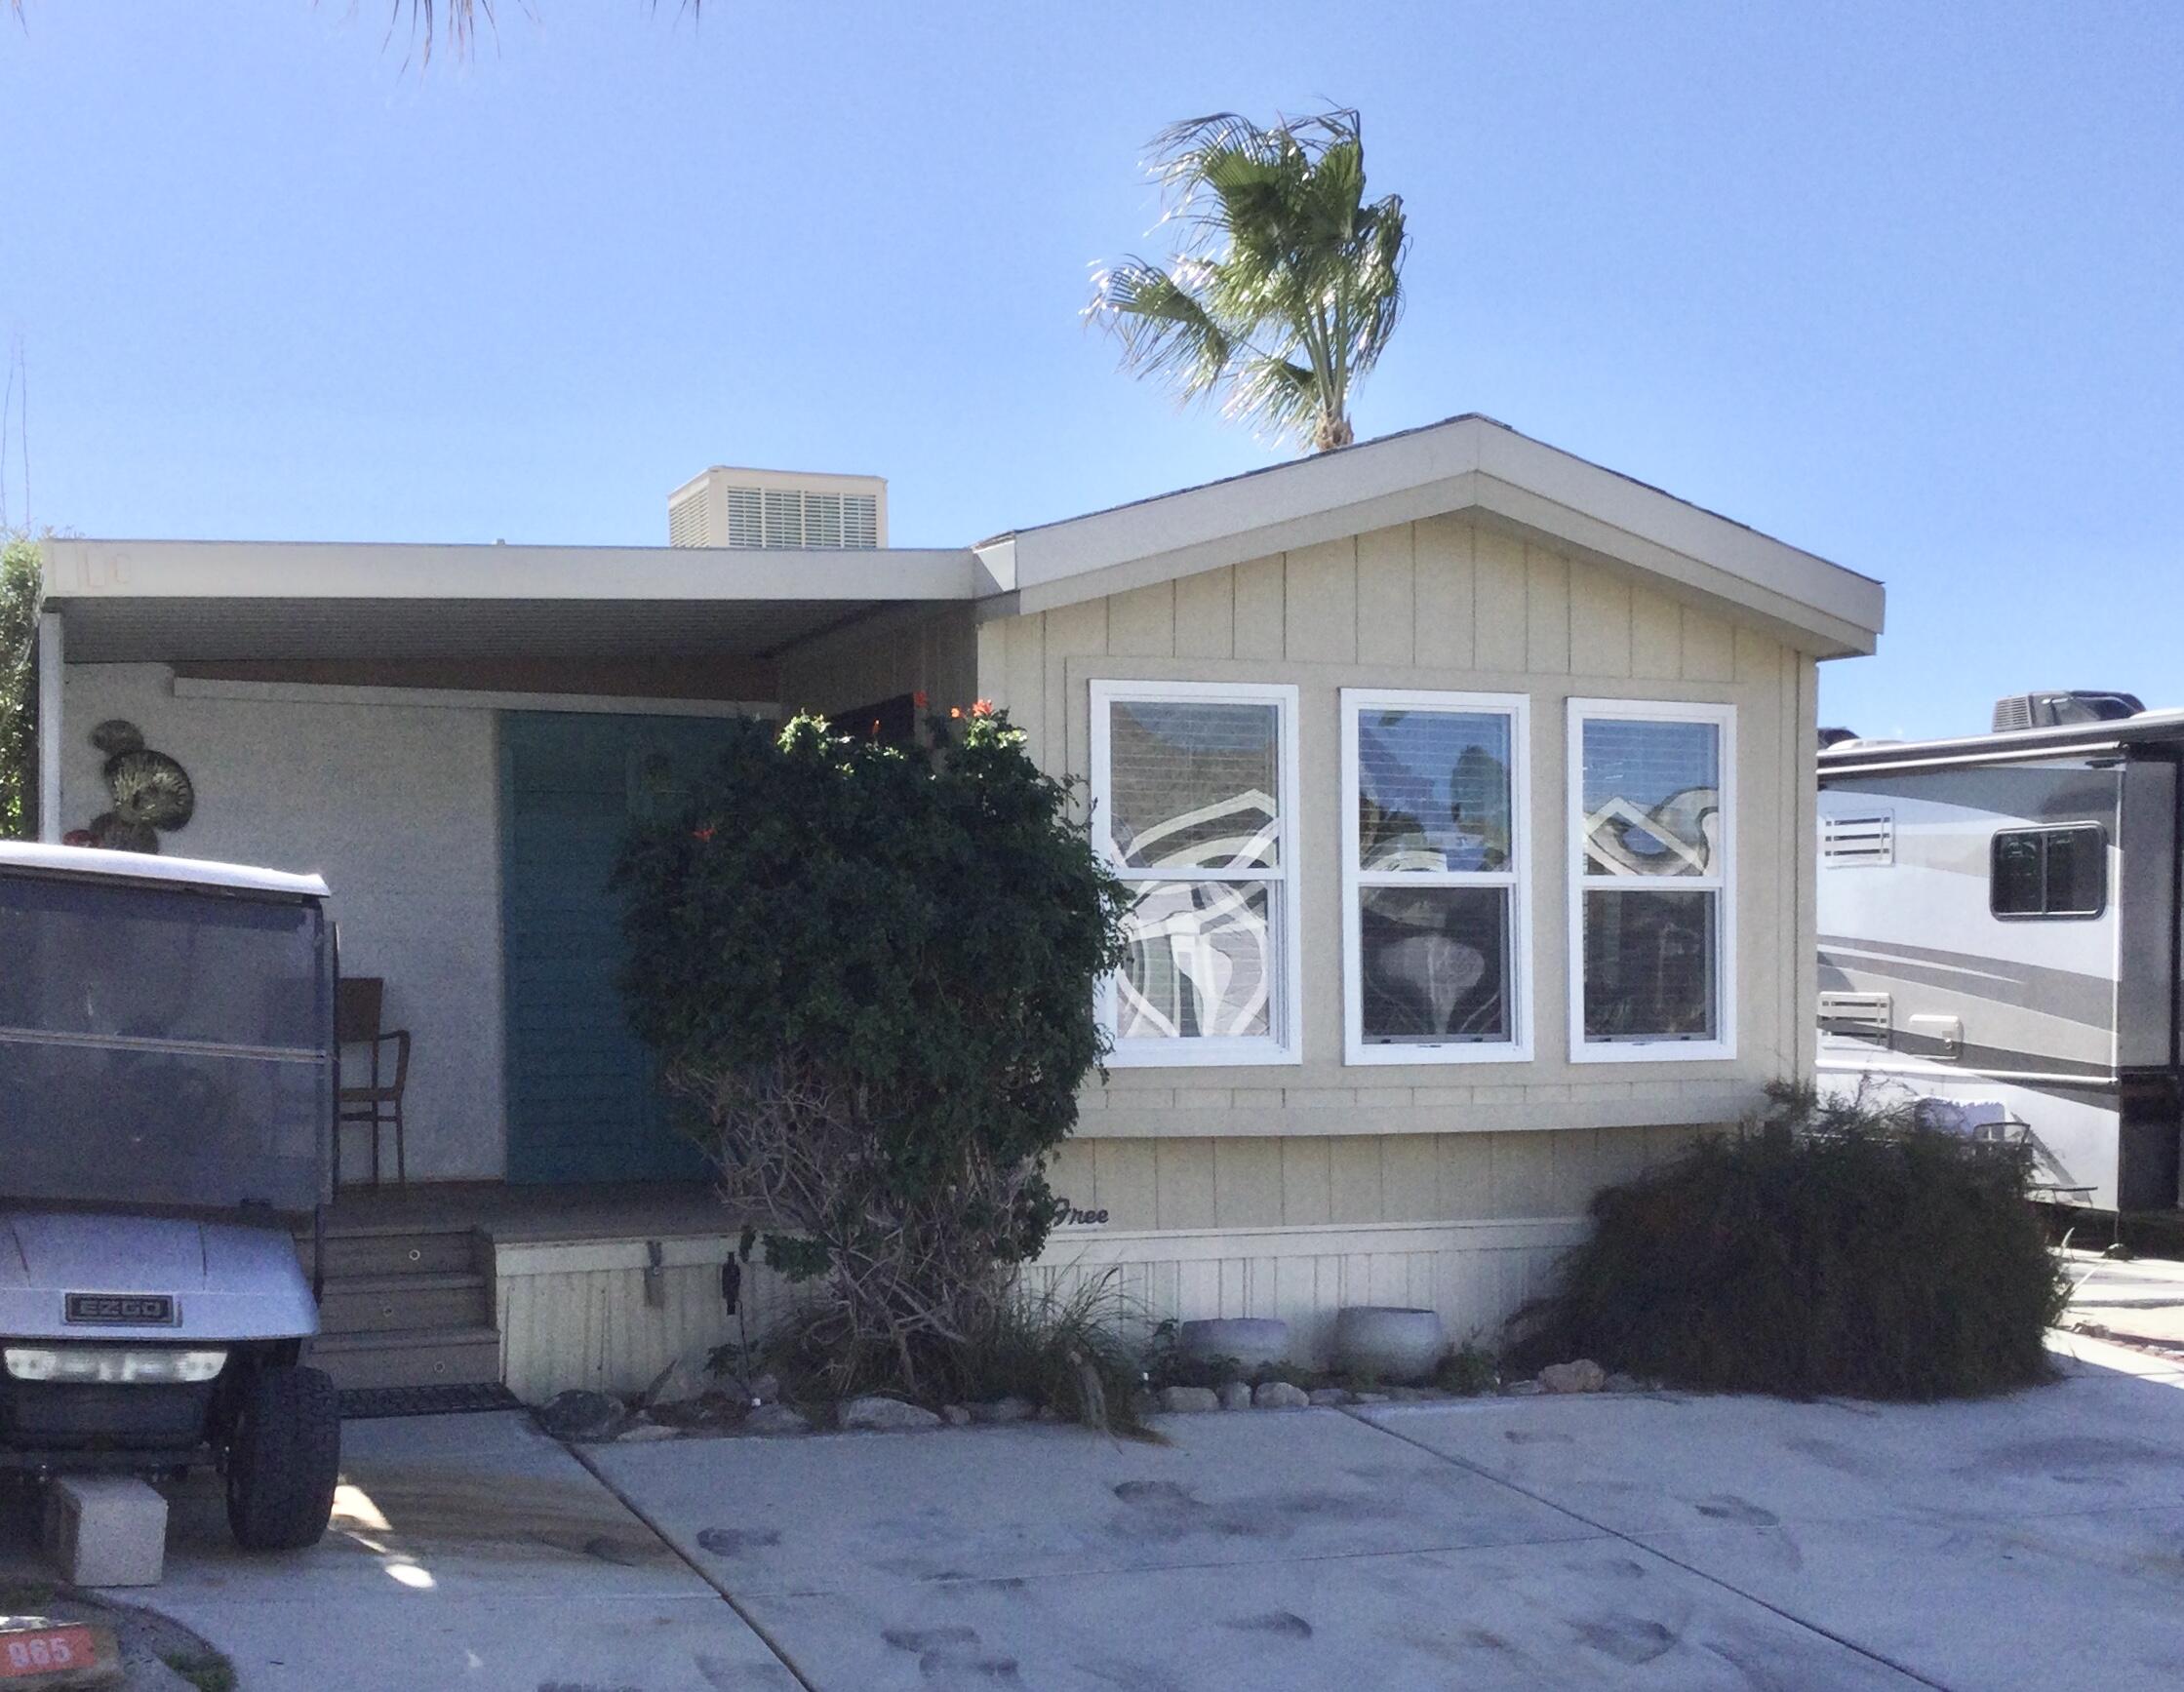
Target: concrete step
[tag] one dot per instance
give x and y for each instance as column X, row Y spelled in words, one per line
column 411, row 1357
column 352, row 1250
column 393, row 1302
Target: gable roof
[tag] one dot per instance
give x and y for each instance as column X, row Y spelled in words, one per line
column 143, row 600
column 1467, row 463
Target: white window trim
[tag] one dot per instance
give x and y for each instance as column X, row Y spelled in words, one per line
column 1659, row 1051
column 1518, row 1049
column 1286, row 1044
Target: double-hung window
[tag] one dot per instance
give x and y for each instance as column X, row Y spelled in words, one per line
column 1436, row 834
column 1652, row 906
column 1194, row 792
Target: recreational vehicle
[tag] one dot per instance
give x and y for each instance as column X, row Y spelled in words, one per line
column 1999, row 933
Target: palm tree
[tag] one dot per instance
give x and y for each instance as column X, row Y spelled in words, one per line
column 1286, row 284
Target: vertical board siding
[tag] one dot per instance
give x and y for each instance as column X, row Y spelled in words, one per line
column 1386, row 602
column 1502, row 596
column 1260, row 607
column 1204, row 614
column 1445, row 592
column 1546, row 611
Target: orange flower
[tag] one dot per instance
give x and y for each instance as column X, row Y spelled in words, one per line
column 981, row 708
column 955, row 709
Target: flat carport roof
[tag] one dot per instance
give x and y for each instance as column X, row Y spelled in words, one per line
column 215, row 602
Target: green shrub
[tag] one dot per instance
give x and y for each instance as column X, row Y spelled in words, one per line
column 869, row 973
column 19, row 584
column 1827, row 1248
column 1071, row 1352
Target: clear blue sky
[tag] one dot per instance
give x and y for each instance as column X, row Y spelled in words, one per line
column 1901, row 284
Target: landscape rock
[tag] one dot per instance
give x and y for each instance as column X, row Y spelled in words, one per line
column 1369, row 1397
column 877, row 1415
column 1329, row 1397
column 766, row 1389
column 1012, row 1408
column 1188, row 1400
column 1582, row 1375
column 642, row 1433
column 1235, row 1396
column 582, row 1414
column 1618, row 1382
column 1279, row 1395
column 955, row 1415
column 775, row 1419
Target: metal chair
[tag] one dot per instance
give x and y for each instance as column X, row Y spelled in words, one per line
column 373, row 1102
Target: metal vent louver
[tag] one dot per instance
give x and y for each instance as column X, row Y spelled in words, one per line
column 1869, row 1017
column 1858, row 841
column 686, row 522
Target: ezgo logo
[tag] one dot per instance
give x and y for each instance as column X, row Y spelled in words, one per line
column 121, row 1309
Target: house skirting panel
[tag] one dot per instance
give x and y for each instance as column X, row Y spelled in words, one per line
column 1476, row 1274
column 587, row 1313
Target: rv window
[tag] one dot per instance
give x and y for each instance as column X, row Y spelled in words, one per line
column 2049, row 872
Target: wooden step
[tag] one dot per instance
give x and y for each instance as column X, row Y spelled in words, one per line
column 412, row 1357
column 375, row 1250
column 391, row 1303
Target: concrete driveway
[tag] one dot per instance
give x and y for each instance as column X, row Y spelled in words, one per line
column 465, row 1552
column 1641, row 1542
column 1663, row 1541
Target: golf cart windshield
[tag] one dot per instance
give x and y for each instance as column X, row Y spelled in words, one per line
column 162, row 1044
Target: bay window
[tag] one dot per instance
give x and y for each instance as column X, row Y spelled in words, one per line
column 1436, row 838
column 1194, row 789
column 1651, row 895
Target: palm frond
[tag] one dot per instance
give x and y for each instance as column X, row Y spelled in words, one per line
column 1162, row 322
column 1283, row 398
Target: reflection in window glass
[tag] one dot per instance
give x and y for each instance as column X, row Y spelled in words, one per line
column 1651, row 793
column 1650, row 969
column 161, row 1046
column 2077, row 872
column 1200, row 961
column 148, row 963
column 2016, row 887
column 2049, row 872
column 1433, row 790
column 1436, row 963
column 1194, row 784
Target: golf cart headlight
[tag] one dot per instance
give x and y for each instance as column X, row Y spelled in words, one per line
column 113, row 1365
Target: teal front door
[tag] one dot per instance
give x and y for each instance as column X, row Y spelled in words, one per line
column 582, row 1098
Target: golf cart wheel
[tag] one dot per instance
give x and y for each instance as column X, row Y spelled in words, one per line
column 284, row 1459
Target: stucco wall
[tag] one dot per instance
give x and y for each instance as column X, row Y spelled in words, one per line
column 1452, row 604
column 397, row 807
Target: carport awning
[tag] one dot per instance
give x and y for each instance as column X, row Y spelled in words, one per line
column 207, row 631
column 228, row 601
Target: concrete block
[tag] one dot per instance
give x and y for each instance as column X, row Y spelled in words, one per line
column 106, row 1530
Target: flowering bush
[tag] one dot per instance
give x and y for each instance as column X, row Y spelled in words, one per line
column 870, row 970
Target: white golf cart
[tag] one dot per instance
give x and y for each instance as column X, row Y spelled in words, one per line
column 167, row 1080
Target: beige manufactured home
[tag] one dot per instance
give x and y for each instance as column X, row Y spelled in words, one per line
column 1469, row 787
